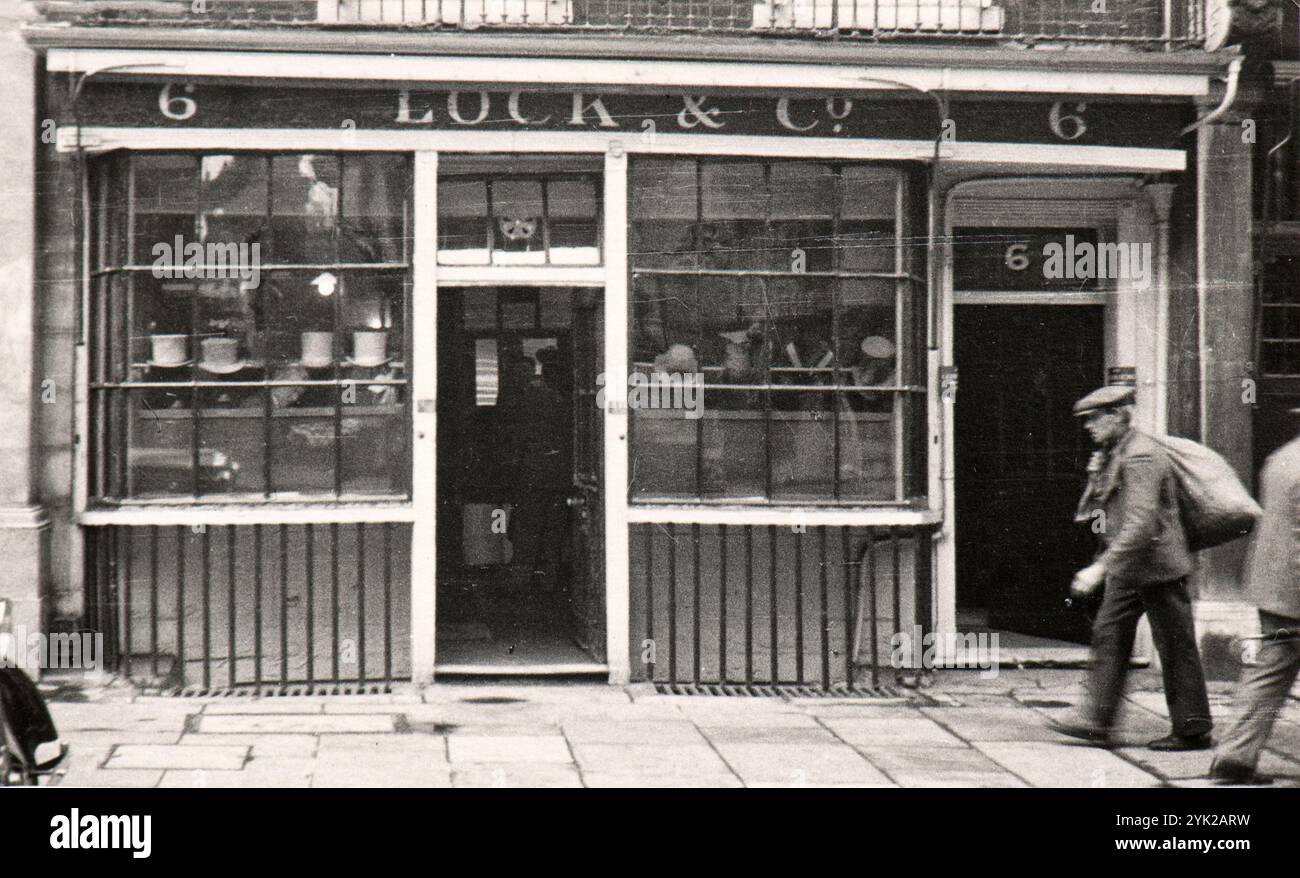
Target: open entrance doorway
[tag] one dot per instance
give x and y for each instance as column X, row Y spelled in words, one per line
column 520, row 531
column 1020, row 466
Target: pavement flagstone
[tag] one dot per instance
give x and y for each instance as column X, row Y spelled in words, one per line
column 963, row 732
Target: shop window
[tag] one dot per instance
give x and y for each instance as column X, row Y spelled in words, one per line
column 249, row 326
column 511, row 219
column 1280, row 338
column 777, row 332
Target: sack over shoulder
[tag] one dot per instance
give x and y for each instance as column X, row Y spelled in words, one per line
column 1216, row 507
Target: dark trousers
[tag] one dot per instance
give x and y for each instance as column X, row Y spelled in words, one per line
column 1167, row 606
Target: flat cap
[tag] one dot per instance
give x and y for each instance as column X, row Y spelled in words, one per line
column 1107, row 397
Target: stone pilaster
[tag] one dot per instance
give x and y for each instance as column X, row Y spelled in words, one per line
column 23, row 523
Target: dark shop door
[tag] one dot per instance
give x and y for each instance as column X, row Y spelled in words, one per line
column 1020, row 460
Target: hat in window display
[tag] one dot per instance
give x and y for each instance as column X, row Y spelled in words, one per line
column 317, row 349
column 220, row 356
column 369, row 348
column 168, row 351
column 878, row 347
column 679, row 359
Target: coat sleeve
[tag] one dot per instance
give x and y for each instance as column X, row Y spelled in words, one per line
column 1142, row 478
column 1293, row 544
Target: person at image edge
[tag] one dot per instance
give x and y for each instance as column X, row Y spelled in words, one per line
column 1273, row 583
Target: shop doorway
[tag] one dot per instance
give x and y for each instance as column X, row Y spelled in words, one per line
column 520, row 531
column 1020, row 465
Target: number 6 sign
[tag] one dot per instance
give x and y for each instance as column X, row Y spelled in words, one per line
column 178, row 108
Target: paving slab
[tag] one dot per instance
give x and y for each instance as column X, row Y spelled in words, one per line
column 508, row 748
column 300, row 746
column 126, row 778
column 899, row 731
column 284, row 724
column 93, row 740
column 1171, row 766
column 227, row 757
column 516, row 776
column 800, row 764
column 993, row 723
column 649, row 760
column 746, row 734
column 930, row 760
column 638, row 732
column 637, row 780
column 359, row 777
column 361, row 745
column 1051, row 765
column 960, row 780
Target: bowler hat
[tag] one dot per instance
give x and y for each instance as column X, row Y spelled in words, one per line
column 1108, row 397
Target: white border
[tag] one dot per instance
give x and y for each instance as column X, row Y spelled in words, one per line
column 1062, row 157
column 607, row 72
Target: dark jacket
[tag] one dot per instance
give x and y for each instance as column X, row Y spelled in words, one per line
column 1143, row 537
column 1273, row 565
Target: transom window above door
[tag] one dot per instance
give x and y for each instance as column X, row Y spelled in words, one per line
column 518, row 210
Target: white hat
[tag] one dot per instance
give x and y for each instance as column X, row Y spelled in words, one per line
column 369, row 348
column 878, row 347
column 317, row 349
column 167, row 351
column 678, row 359
column 220, row 355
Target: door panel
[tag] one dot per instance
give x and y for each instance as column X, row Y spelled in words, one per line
column 587, row 506
column 1020, row 460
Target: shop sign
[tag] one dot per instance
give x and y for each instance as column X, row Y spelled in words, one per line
column 1076, row 120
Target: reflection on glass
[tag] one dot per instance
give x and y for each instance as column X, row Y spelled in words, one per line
column 462, row 219
column 305, row 204
column 487, row 373
column 164, row 201
column 232, row 198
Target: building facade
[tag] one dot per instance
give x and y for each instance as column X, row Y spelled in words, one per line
column 689, row 342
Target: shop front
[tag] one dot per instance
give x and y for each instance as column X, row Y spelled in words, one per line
column 628, row 382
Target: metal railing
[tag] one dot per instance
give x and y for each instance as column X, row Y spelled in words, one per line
column 1165, row 23
column 259, row 605
column 769, row 604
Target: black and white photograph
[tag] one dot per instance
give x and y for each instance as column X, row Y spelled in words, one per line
column 651, row 394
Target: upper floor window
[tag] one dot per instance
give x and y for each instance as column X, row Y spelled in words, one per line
column 248, row 326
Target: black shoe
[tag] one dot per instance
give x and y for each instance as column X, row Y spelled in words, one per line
column 1181, row 744
column 1092, row 734
column 1227, row 772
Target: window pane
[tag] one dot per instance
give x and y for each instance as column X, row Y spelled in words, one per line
column 372, row 313
column 572, row 222
column 232, row 444
column 867, row 447
column 664, row 211
column 462, row 222
column 232, row 199
column 664, row 454
column 733, row 457
column 305, row 201
column 517, row 222
column 373, row 454
column 158, row 437
column 302, row 450
column 733, row 213
column 164, row 202
column 376, row 191
column 480, row 305
column 803, row 446
column 802, row 230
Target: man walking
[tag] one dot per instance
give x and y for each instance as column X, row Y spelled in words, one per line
column 1143, row 567
column 1273, row 581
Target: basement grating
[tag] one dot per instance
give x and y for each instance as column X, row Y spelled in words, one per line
column 786, row 690
column 273, row 691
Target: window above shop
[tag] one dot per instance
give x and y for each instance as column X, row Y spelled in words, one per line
column 791, row 296
column 494, row 211
column 249, row 326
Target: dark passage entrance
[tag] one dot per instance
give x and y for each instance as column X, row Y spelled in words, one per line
column 518, row 498
column 1020, row 460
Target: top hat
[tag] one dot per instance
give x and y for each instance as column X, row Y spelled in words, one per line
column 678, row 359
column 369, row 348
column 878, row 347
column 221, row 356
column 317, row 349
column 167, row 351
